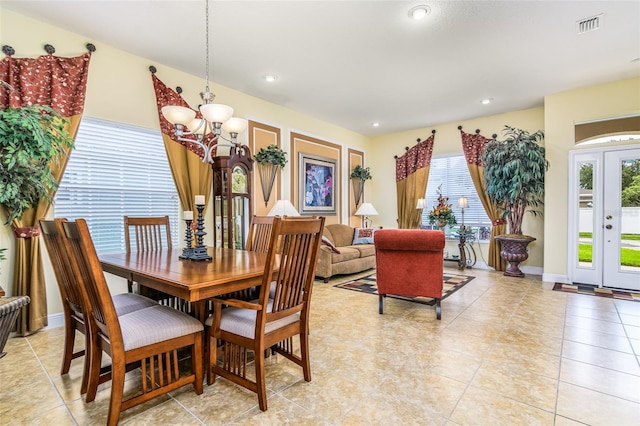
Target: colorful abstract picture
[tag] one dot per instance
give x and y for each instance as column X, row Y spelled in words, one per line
column 317, row 185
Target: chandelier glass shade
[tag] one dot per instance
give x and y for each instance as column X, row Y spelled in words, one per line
column 205, row 131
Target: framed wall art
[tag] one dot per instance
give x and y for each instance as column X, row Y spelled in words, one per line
column 317, row 185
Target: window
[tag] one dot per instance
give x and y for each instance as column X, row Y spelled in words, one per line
column 114, row 171
column 452, row 176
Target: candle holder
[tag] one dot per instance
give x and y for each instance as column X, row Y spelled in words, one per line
column 199, row 252
column 188, row 250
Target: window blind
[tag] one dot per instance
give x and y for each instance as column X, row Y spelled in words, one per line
column 451, row 175
column 116, row 170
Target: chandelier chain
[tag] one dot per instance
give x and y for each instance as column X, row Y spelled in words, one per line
column 206, row 77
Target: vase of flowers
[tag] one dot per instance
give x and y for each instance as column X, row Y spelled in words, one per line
column 441, row 214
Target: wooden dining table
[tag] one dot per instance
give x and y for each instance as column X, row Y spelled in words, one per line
column 193, row 281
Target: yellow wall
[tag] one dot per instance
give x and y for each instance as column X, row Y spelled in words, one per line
column 119, row 89
column 562, row 112
column 382, row 192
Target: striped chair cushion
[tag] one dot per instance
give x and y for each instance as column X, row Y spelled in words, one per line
column 128, row 302
column 243, row 321
column 155, row 324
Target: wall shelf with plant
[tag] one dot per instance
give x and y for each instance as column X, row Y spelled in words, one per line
column 269, row 160
column 359, row 175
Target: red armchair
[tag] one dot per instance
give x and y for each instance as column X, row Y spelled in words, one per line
column 409, row 262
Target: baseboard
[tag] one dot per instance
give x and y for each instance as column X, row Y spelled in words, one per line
column 555, row 278
column 55, row 321
column 531, row 270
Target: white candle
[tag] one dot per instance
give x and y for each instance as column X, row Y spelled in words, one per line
column 199, row 200
column 187, row 215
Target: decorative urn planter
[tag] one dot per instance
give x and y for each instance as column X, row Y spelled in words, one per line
column 514, row 251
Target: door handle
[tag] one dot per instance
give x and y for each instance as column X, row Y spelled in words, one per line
column 608, row 226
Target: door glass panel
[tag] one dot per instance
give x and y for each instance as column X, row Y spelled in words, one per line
column 630, row 218
column 586, row 217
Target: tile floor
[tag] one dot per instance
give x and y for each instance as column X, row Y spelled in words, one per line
column 507, row 352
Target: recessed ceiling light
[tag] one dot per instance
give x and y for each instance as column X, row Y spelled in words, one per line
column 375, row 124
column 419, row 12
column 486, row 101
column 270, row 78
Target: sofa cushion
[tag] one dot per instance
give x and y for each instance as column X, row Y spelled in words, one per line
column 365, row 249
column 346, row 253
column 341, row 235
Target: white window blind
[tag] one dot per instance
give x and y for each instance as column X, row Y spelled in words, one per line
column 114, row 171
column 452, row 176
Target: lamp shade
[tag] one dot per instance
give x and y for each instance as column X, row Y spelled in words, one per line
column 422, row 203
column 234, row 125
column 366, row 209
column 178, row 114
column 197, row 126
column 216, row 113
column 463, row 203
column 283, row 208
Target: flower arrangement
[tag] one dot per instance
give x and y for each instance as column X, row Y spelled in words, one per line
column 442, row 214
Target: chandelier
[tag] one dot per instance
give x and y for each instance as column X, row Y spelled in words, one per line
column 215, row 117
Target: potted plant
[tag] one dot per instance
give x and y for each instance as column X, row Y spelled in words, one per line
column 269, row 159
column 514, row 177
column 441, row 214
column 358, row 176
column 30, row 138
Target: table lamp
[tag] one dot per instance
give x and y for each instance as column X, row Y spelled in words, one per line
column 366, row 210
column 463, row 203
column 283, row 208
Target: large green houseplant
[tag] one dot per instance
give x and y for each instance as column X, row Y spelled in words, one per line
column 31, row 138
column 269, row 159
column 514, row 178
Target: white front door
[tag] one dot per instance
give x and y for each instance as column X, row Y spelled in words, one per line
column 605, row 217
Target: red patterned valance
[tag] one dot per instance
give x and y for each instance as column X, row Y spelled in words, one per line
column 473, row 146
column 167, row 96
column 415, row 158
column 47, row 80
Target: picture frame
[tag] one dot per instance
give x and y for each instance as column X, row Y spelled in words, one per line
column 317, row 187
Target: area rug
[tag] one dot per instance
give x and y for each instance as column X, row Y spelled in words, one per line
column 451, row 284
column 591, row 290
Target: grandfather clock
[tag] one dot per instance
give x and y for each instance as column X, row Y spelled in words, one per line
column 232, row 197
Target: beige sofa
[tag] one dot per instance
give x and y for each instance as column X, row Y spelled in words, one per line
column 351, row 259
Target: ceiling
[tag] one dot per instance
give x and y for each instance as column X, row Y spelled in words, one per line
column 353, row 63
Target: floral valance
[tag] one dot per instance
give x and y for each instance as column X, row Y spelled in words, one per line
column 473, row 146
column 45, row 80
column 416, row 157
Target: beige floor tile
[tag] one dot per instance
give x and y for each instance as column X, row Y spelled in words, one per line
column 504, row 335
column 603, row 380
column 597, row 314
column 595, row 338
column 606, row 358
column 518, row 384
column 600, row 326
column 481, row 407
column 595, row 408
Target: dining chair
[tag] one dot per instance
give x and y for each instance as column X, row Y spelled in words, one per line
column 73, row 295
column 150, row 336
column 146, row 234
column 253, row 326
column 259, row 234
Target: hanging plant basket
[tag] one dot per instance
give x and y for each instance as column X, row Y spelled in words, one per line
column 267, row 174
column 358, row 188
column 269, row 159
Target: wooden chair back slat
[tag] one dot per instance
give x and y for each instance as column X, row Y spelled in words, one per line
column 149, row 233
column 260, row 233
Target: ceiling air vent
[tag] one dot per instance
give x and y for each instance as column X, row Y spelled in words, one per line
column 589, row 24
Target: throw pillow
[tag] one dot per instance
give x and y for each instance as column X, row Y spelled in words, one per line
column 364, row 235
column 326, row 242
